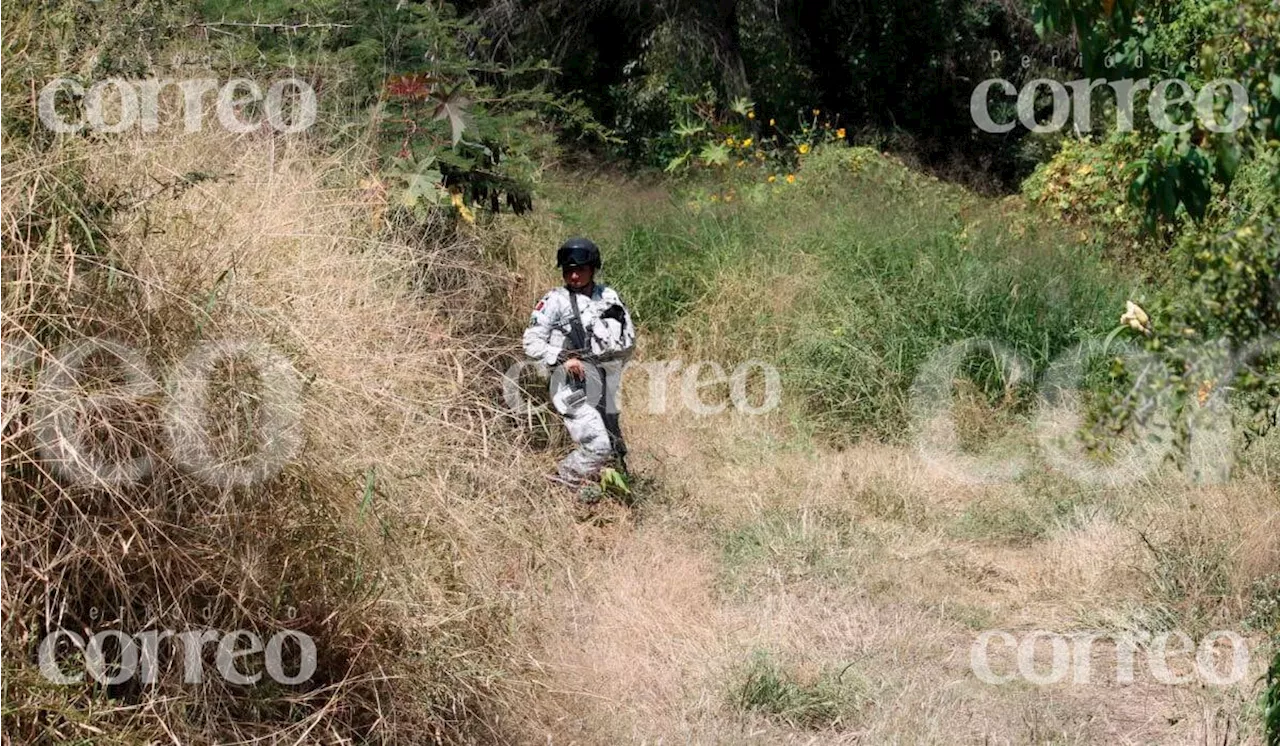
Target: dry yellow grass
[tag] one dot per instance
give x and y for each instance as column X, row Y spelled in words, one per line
column 401, row 534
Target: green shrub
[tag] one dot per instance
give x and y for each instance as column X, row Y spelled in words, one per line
column 451, row 133
column 1085, row 184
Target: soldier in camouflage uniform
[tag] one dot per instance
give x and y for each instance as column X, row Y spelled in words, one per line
column 583, row 332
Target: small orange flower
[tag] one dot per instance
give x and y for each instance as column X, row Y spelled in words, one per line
column 791, row 178
column 840, row 133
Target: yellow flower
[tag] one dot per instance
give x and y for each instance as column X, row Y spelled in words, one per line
column 772, row 178
column 751, row 115
column 741, row 164
column 715, row 198
column 816, row 112
column 804, row 148
column 729, row 141
column 840, row 133
column 463, row 210
column 1202, row 393
column 728, row 198
column 746, row 143
column 791, row 178
column 772, row 122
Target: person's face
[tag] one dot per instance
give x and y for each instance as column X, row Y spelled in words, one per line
column 578, row 277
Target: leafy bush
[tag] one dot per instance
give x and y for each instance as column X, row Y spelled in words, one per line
column 1086, row 183
column 1221, row 300
column 467, row 135
column 897, row 72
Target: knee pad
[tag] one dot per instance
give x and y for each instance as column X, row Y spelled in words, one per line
column 599, row 445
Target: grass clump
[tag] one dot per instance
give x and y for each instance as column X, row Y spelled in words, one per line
column 1191, row 579
column 1042, row 505
column 1263, row 614
column 1016, row 523
column 828, row 700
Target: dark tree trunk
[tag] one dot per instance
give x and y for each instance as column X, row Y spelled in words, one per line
column 719, row 21
column 729, row 49
column 817, row 36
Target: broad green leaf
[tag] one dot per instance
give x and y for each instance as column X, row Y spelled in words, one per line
column 689, row 129
column 678, row 161
column 1228, row 158
column 611, row 480
column 715, row 154
column 453, row 107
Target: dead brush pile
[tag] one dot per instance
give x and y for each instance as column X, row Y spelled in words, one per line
column 231, row 403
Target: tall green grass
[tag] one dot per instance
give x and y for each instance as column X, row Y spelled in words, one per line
column 849, row 279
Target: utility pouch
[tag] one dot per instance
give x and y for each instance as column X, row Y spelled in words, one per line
column 577, row 396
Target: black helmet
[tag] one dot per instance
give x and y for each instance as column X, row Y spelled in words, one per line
column 578, row 252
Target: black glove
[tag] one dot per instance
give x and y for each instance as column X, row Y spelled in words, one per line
column 616, row 313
